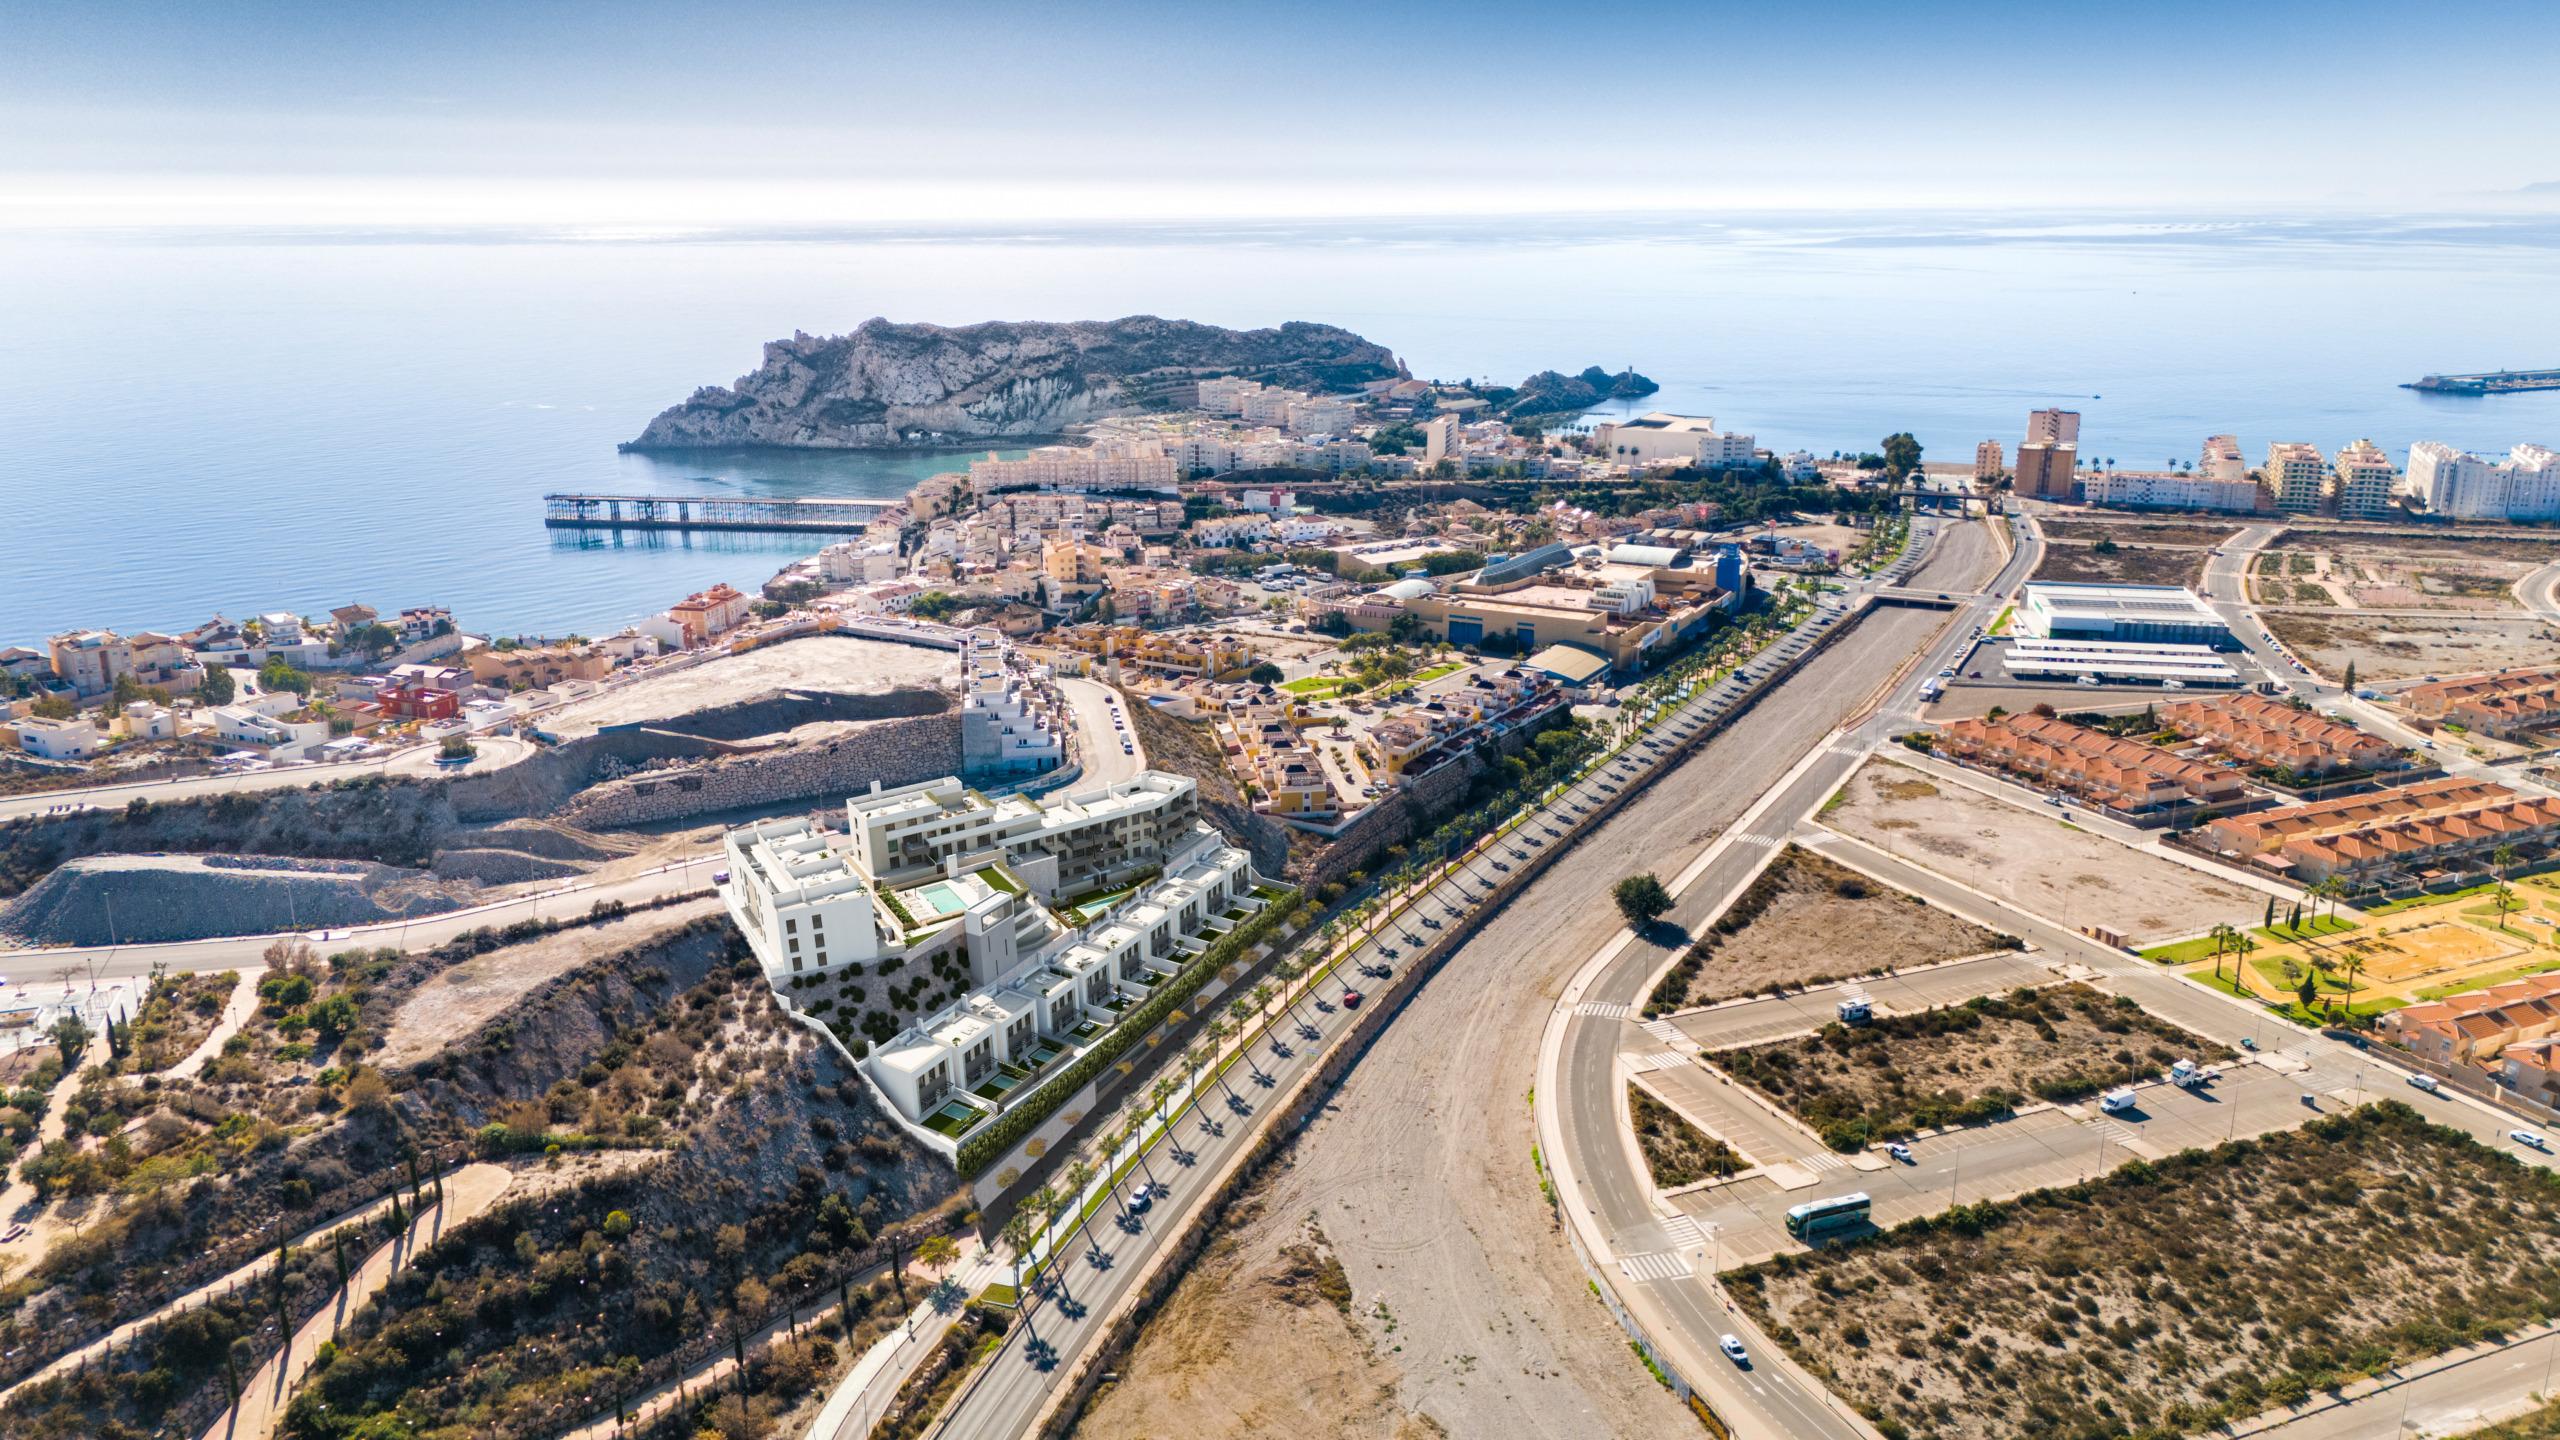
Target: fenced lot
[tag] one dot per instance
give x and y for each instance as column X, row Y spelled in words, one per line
column 2173, row 1295
column 1965, row 1063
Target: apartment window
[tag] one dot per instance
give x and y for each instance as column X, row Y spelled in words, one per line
column 790, row 927
column 795, row 947
column 817, row 923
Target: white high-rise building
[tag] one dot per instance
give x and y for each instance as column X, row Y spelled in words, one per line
column 2463, row 486
column 2363, row 482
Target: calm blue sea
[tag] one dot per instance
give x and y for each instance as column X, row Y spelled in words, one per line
column 191, row 423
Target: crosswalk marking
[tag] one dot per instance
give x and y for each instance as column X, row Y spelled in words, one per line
column 1662, row 1265
column 1766, row 842
column 2112, row 1130
column 1685, row 1232
column 1823, row 1162
column 1605, row 1009
column 1664, row 1031
column 1659, row 1060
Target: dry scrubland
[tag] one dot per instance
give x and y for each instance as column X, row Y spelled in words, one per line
column 1807, row 921
column 1963, row 1064
column 2141, row 532
column 2122, row 565
column 1675, row 1151
column 2404, row 647
column 1201, row 1352
column 2034, row 860
column 2170, row 1296
column 739, row 1161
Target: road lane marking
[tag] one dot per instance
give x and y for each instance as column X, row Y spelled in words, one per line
column 1661, row 1265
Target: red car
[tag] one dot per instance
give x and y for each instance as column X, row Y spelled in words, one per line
column 1350, row 999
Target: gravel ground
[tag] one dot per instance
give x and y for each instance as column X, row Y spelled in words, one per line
column 826, row 662
column 2033, row 859
column 1419, row 1173
column 453, row 1004
column 111, row 899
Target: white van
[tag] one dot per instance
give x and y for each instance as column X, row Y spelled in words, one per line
column 2089, row 680
column 2116, row 1101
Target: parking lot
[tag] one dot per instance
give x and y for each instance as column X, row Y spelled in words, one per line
column 1751, row 1022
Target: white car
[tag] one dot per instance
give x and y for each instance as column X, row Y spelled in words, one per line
column 1143, row 1196
column 1899, row 1151
column 2526, row 1138
column 1731, row 1345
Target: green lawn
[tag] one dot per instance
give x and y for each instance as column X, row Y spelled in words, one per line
column 2499, row 977
column 2180, row 952
column 1319, row 687
column 2394, row 907
column 1000, row 1294
column 954, row 1119
column 2313, row 927
column 1446, row 667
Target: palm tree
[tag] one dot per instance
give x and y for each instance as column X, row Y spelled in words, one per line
column 2504, row 857
column 1079, row 1179
column 1043, row 1202
column 1017, row 1238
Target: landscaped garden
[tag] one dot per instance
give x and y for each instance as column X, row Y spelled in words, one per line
column 2173, row 1295
column 1675, row 1151
column 1964, row 1063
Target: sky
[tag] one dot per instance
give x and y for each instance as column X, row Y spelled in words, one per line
column 645, row 114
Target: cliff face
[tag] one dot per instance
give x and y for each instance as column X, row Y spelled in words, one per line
column 887, row 385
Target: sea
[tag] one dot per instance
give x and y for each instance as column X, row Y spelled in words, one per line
column 236, row 421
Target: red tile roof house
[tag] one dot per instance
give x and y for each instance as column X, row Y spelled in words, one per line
column 2258, row 730
column 2474, row 1027
column 2097, row 766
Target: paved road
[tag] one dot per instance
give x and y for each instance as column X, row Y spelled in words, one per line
column 1578, row 1085
column 1007, row 1397
column 418, row 760
column 2540, row 592
column 1094, row 706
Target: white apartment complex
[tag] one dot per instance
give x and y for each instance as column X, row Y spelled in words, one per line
column 2171, row 492
column 937, row 871
column 2463, row 486
column 1107, row 464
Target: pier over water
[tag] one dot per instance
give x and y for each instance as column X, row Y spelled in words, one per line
column 2487, row 382
column 710, row 512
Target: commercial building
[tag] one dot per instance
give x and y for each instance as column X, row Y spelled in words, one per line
column 2169, row 614
column 1663, row 438
column 2140, row 491
column 2508, row 704
column 2100, row 768
column 2462, row 486
column 2258, row 730
column 2295, row 476
column 1988, row 462
column 2425, row 832
column 2186, row 667
column 2361, row 483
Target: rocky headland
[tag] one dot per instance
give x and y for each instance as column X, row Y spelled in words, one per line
column 892, row 386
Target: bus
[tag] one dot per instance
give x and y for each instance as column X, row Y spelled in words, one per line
column 1814, row 1217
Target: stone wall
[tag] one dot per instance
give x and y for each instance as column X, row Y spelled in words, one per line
column 893, row 752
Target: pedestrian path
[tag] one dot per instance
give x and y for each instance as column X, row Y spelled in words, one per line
column 1661, row 1265
column 1824, row 1160
column 1685, row 1231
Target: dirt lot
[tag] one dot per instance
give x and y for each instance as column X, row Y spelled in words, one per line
column 2206, row 534
column 2176, row 1294
column 1339, row 1384
column 1810, row 921
column 2395, row 573
column 2126, row 565
column 2443, row 548
column 460, row 1000
column 2401, row 647
column 1675, row 1151
column 1963, row 1064
column 2035, row 860
column 826, row 662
